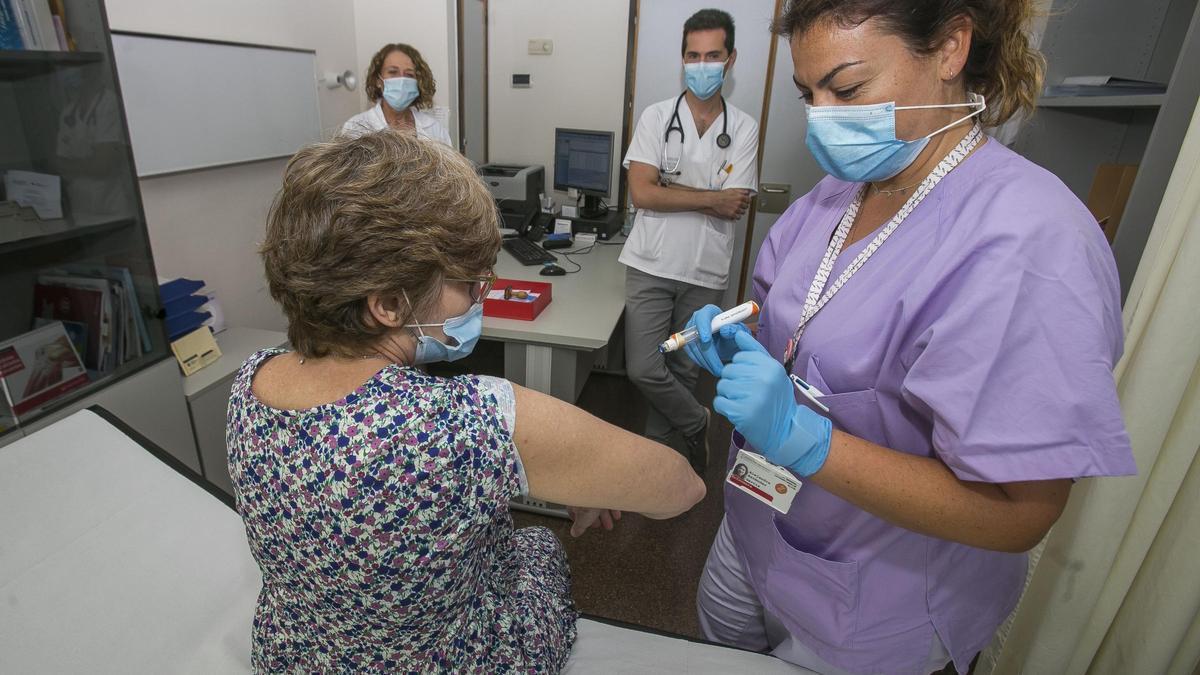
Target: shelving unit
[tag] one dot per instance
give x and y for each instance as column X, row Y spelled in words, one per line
column 19, row 64
column 61, row 114
column 33, row 233
column 1153, row 40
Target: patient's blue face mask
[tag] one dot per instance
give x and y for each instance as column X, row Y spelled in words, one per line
column 400, row 92
column 464, row 329
column 857, row 143
column 704, row 79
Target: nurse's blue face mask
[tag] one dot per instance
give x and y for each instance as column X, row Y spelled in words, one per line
column 858, row 144
column 704, row 79
column 400, row 92
column 464, row 329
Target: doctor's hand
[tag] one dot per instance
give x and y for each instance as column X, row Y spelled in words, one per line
column 584, row 519
column 757, row 396
column 729, row 204
column 711, row 352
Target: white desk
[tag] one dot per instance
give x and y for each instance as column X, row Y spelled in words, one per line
column 112, row 561
column 554, row 353
column 207, row 392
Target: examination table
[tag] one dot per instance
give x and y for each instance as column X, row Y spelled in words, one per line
column 116, row 558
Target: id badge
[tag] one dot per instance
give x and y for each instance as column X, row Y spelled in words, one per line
column 769, row 484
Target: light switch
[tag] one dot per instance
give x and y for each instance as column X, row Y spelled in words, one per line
column 541, row 47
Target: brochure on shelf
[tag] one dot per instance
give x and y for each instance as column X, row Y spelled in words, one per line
column 38, row 367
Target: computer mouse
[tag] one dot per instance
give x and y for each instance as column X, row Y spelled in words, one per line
column 552, row 270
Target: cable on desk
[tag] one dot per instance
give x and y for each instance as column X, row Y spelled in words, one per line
column 567, row 256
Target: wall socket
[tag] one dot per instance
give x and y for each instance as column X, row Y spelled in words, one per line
column 541, row 47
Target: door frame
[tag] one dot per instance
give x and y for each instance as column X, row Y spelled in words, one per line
column 762, row 139
column 462, row 99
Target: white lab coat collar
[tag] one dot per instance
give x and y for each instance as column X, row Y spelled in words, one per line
column 421, row 119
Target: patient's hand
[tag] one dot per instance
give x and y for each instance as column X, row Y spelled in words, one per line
column 584, row 519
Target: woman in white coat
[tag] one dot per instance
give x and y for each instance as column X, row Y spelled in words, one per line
column 401, row 86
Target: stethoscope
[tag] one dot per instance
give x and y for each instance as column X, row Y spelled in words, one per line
column 676, row 124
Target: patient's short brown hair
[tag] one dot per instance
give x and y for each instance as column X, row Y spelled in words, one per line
column 386, row 213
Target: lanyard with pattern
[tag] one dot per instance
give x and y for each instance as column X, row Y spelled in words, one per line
column 818, row 295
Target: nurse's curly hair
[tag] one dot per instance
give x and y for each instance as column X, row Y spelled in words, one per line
column 386, row 214
column 1001, row 64
column 426, row 86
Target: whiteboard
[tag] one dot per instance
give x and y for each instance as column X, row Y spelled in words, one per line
column 193, row 104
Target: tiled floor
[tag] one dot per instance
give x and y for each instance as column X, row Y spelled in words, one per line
column 644, row 572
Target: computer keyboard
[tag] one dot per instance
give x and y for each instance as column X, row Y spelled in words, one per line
column 527, row 253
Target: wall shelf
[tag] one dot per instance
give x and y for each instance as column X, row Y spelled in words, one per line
column 1149, row 40
column 18, row 64
column 42, row 232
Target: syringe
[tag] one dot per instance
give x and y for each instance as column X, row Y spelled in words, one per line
column 740, row 313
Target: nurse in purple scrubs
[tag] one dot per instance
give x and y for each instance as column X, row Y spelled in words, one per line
column 957, row 311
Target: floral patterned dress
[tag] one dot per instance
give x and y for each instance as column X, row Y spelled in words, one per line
column 381, row 526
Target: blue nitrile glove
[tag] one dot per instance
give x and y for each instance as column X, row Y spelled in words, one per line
column 712, row 352
column 757, row 396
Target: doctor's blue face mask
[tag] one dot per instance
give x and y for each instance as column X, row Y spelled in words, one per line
column 400, row 92
column 705, row 78
column 858, row 144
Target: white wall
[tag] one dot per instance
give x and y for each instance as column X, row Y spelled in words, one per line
column 428, row 25
column 208, row 224
column 581, row 85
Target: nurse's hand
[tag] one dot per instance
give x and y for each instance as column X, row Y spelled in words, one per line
column 757, row 396
column 711, row 352
column 729, row 204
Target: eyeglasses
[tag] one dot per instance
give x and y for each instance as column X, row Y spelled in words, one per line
column 480, row 286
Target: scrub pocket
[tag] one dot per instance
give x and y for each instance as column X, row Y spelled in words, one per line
column 811, row 595
column 715, row 251
column 649, row 234
column 854, row 412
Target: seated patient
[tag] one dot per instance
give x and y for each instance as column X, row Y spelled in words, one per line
column 375, row 496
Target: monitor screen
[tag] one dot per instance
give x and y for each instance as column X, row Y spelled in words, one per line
column 582, row 160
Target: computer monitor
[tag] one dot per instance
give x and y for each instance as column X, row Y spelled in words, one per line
column 583, row 160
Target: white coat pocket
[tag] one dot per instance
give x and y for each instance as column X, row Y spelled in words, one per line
column 716, row 249
column 648, row 234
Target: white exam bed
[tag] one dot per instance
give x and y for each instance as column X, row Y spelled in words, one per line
column 115, row 558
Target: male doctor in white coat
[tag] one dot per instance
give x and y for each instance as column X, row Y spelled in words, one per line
column 692, row 172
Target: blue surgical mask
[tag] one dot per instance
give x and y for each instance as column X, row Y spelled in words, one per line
column 857, row 143
column 400, row 92
column 464, row 330
column 704, row 79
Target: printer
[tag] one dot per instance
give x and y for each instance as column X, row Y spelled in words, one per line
column 512, row 183
column 516, row 190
